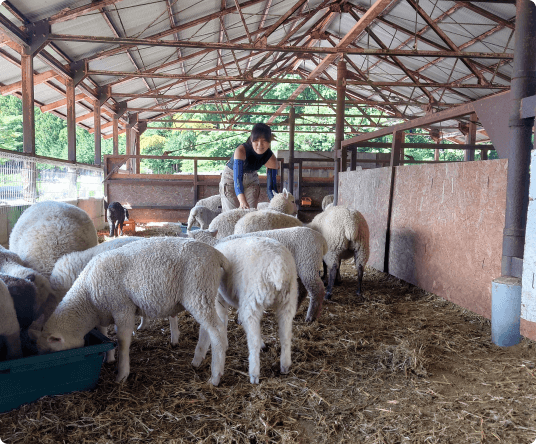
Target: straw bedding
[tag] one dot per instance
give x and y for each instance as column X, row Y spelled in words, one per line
column 403, row 367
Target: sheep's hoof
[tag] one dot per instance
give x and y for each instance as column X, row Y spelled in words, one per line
column 215, row 380
column 327, row 297
column 285, row 370
column 253, row 379
column 196, row 362
column 120, row 377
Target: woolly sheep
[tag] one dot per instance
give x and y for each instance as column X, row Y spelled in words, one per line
column 48, row 230
column 212, row 203
column 45, row 298
column 201, row 216
column 156, row 277
column 265, row 220
column 263, row 275
column 10, row 343
column 263, row 205
column 283, row 202
column 69, row 266
column 347, row 234
column 327, row 200
column 307, row 246
column 225, row 223
column 116, row 215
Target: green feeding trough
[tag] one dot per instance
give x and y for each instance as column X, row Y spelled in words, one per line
column 28, row 379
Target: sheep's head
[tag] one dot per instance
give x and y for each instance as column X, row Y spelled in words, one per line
column 284, row 202
column 52, row 340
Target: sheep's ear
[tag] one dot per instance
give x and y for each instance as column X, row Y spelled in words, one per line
column 285, row 193
column 55, row 339
column 213, row 233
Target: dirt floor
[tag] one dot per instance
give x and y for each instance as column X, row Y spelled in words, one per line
column 403, row 367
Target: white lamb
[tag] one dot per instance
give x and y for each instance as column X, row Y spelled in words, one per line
column 327, row 200
column 201, row 217
column 283, row 202
column 263, row 205
column 347, row 234
column 156, row 277
column 9, row 326
column 307, row 246
column 225, row 222
column 265, row 220
column 48, row 230
column 263, row 275
column 69, row 267
column 212, row 203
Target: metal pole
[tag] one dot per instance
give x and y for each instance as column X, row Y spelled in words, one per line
column 523, row 85
column 97, row 133
column 291, row 131
column 470, row 139
column 339, row 126
column 71, row 120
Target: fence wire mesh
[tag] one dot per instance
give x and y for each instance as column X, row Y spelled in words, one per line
column 25, row 180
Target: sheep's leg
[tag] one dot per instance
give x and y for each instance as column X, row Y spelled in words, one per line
column 316, row 291
column 144, row 325
column 110, row 354
column 121, row 227
column 331, row 280
column 174, row 328
column 252, row 326
column 338, row 279
column 203, row 343
column 218, row 342
column 284, row 317
column 13, row 346
column 325, row 274
column 360, row 271
column 112, row 227
column 302, row 293
column 125, row 327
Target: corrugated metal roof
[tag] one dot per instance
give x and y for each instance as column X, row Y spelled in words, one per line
column 464, row 27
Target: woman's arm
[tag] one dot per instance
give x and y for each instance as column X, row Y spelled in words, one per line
column 271, row 176
column 238, row 175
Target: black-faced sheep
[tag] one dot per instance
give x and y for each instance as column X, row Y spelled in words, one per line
column 116, row 215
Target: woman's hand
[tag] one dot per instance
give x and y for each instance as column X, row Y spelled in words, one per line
column 243, row 202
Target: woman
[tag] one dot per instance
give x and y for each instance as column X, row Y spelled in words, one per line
column 239, row 186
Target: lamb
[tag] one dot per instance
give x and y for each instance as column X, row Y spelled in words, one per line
column 48, row 230
column 265, row 220
column 69, row 267
column 10, row 344
column 263, row 205
column 201, row 216
column 263, row 275
column 307, row 246
column 347, row 234
column 116, row 215
column 283, row 202
column 327, row 200
column 225, row 223
column 212, row 203
column 156, row 277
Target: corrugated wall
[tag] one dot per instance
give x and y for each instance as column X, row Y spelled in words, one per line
column 446, row 225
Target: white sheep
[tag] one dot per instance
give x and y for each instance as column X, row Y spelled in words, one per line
column 69, row 266
column 263, row 205
column 212, row 203
column 9, row 326
column 347, row 234
column 283, row 202
column 48, row 230
column 307, row 246
column 225, row 222
column 265, row 220
column 156, row 277
column 263, row 275
column 201, row 217
column 328, row 199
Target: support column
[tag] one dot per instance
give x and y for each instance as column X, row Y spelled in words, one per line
column 292, row 132
column 28, row 116
column 137, row 152
column 339, row 128
column 434, row 134
column 71, row 120
column 128, row 146
column 470, row 138
column 97, row 128
column 505, row 328
column 396, row 147
column 115, row 135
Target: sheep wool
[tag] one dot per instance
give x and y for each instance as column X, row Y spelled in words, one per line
column 201, row 216
column 327, row 200
column 156, row 277
column 10, row 345
column 347, row 234
column 48, row 230
column 265, row 220
column 212, row 203
column 263, row 275
column 283, row 202
column 225, row 223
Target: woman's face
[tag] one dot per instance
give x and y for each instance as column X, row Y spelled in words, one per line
column 261, row 145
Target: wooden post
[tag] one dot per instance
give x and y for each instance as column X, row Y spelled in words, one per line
column 195, row 182
column 128, row 146
column 115, row 135
column 470, row 138
column 339, row 128
column 71, row 120
column 292, row 128
column 137, row 150
column 300, row 177
column 97, row 127
column 28, row 117
column 396, row 147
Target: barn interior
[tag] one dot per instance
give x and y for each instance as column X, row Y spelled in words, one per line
column 461, row 72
